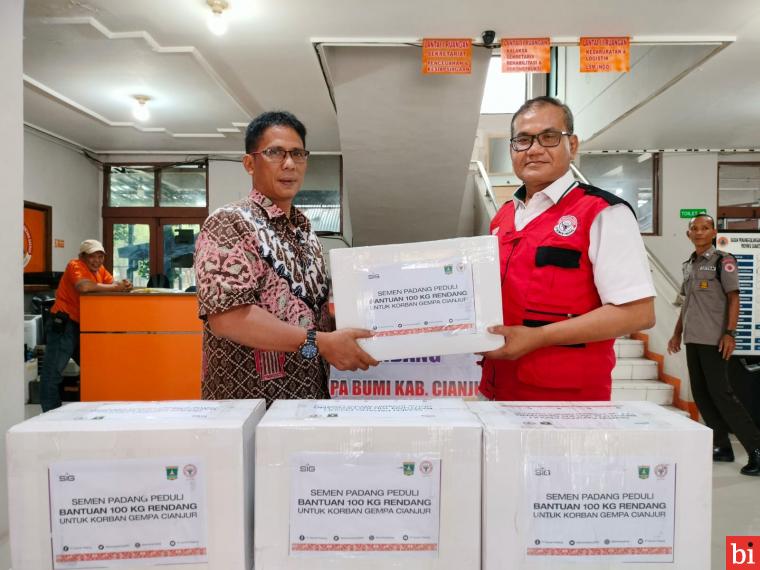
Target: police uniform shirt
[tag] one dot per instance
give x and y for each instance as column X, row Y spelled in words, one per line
column 704, row 314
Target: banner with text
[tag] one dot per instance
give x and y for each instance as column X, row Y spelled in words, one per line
column 368, row 505
column 605, row 55
column 746, row 248
column 128, row 512
column 526, row 55
column 454, row 375
column 586, row 509
column 446, row 56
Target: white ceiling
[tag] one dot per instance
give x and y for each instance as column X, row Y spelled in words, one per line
column 85, row 58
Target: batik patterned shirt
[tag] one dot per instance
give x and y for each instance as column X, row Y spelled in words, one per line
column 250, row 252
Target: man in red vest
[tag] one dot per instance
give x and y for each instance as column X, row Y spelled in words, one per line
column 574, row 271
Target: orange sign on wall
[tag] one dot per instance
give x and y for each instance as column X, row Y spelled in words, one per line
column 605, row 54
column 526, row 55
column 446, row 56
column 35, row 241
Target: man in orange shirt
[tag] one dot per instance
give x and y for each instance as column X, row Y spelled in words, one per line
column 85, row 274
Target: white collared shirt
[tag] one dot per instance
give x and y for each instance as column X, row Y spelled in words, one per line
column 616, row 250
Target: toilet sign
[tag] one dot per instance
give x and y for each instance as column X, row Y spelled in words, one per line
column 688, row 213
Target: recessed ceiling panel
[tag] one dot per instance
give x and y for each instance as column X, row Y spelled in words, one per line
column 85, row 66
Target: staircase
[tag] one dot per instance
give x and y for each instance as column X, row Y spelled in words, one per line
column 636, row 378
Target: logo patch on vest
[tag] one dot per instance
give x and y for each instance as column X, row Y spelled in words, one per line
column 728, row 266
column 566, row 226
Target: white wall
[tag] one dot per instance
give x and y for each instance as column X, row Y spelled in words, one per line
column 227, row 182
column 688, row 181
column 598, row 99
column 667, row 315
column 11, row 214
column 58, row 176
column 384, row 103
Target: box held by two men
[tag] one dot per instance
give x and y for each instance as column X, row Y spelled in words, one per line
column 368, row 485
column 419, row 299
column 134, row 485
column 608, row 484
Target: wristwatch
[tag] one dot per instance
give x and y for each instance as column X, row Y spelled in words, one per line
column 730, row 332
column 309, row 348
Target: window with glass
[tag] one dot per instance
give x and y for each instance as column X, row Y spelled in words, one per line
column 182, row 186
column 132, row 186
column 150, row 186
column 631, row 176
column 152, row 216
column 503, row 92
column 320, row 195
column 739, row 195
column 131, row 252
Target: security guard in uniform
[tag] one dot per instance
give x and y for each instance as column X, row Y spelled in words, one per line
column 708, row 323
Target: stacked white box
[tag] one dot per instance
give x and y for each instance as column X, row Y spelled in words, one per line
column 360, row 430
column 32, row 330
column 218, row 435
column 548, row 465
column 416, row 278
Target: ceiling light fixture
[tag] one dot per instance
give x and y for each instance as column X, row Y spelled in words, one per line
column 140, row 107
column 217, row 20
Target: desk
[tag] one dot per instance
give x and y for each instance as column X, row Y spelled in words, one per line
column 140, row 347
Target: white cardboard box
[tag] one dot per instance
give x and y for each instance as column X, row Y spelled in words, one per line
column 594, row 484
column 362, row 450
column 85, row 461
column 420, row 299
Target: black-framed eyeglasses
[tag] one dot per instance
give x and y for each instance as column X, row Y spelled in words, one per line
column 546, row 139
column 278, row 154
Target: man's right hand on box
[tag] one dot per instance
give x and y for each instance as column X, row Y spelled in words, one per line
column 342, row 351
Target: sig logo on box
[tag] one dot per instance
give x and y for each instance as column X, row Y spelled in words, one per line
column 742, row 552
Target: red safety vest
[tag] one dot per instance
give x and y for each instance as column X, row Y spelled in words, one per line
column 547, row 277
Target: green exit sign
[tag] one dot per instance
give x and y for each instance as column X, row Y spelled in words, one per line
column 692, row 212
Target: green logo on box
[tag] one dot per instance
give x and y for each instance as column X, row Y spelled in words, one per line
column 171, row 472
column 643, row 471
column 408, row 468
column 448, row 269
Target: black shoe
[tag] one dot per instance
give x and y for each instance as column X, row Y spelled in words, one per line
column 753, row 465
column 723, row 454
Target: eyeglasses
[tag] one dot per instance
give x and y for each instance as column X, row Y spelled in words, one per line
column 278, row 154
column 546, row 139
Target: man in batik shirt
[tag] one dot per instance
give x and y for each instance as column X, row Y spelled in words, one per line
column 262, row 285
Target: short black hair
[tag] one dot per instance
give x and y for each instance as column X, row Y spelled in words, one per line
column 708, row 216
column 540, row 102
column 260, row 124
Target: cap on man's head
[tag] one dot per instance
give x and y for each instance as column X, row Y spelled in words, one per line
column 91, row 246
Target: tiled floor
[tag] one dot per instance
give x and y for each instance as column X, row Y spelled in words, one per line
column 736, row 505
column 736, row 502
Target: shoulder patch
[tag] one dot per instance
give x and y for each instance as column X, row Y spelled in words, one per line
column 729, row 264
column 609, row 197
